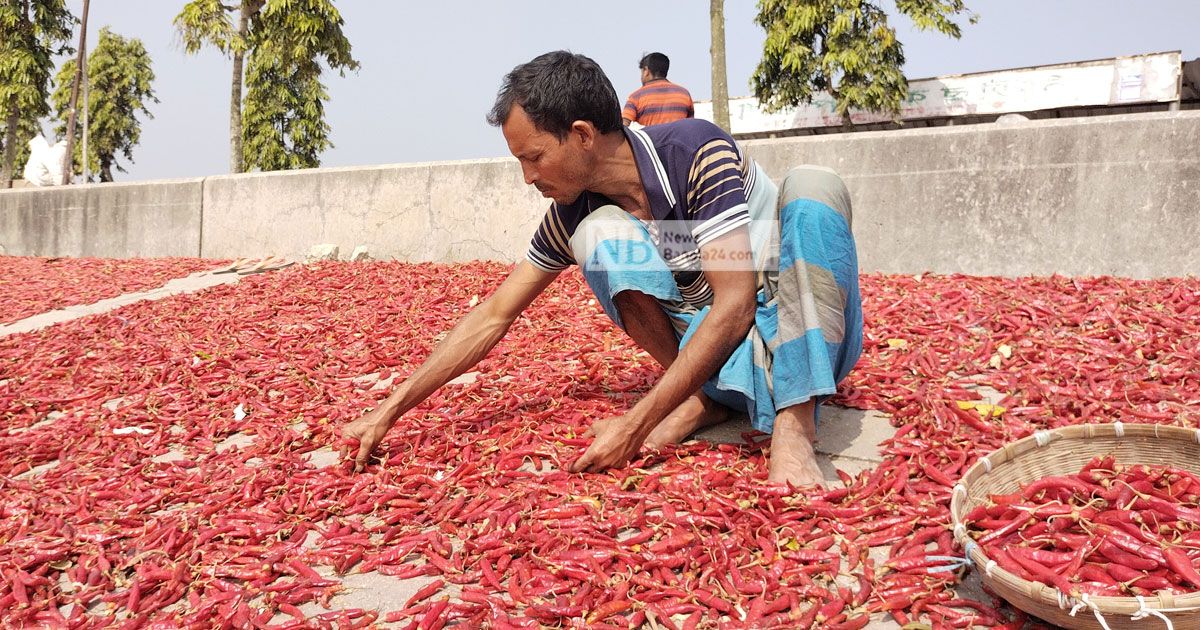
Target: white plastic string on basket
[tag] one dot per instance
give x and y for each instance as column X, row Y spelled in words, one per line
column 1144, row 612
column 953, row 563
column 987, row 462
column 960, row 533
column 1084, row 603
column 1064, row 599
column 1119, row 428
column 1042, row 438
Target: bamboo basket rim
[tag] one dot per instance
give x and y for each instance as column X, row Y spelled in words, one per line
column 1042, row 594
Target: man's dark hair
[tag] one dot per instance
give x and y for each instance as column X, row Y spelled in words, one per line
column 657, row 63
column 555, row 90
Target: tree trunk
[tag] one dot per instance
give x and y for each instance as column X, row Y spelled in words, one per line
column 235, row 90
column 69, row 158
column 847, row 122
column 106, row 171
column 10, row 142
column 720, row 83
column 235, row 115
column 87, row 177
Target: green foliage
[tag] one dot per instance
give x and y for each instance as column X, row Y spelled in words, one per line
column 286, row 42
column 844, row 47
column 119, row 77
column 934, row 15
column 33, row 32
column 207, row 22
column 284, row 122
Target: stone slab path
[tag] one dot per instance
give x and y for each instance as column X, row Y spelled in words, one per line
column 187, row 284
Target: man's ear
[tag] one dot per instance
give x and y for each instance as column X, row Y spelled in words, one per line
column 585, row 131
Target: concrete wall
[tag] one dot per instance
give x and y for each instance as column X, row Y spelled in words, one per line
column 446, row 211
column 1106, row 195
column 146, row 219
column 1113, row 195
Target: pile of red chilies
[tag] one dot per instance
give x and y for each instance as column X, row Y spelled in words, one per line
column 120, row 502
column 1110, row 530
column 29, row 286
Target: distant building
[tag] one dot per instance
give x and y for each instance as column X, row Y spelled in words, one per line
column 1151, row 82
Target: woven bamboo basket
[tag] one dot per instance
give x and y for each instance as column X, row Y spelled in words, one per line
column 1064, row 451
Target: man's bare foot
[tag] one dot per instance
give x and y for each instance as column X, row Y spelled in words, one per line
column 697, row 412
column 792, row 458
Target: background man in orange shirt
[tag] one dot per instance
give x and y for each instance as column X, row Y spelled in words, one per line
column 658, row 100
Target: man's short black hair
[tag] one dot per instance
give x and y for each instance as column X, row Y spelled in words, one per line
column 555, row 90
column 657, row 63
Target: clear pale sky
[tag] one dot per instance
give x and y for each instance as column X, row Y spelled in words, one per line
column 430, row 70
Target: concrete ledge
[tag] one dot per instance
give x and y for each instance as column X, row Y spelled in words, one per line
column 1110, row 195
column 438, row 211
column 1115, row 195
column 146, row 219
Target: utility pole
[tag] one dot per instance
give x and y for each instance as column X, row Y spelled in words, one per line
column 86, row 106
column 720, row 83
column 80, row 62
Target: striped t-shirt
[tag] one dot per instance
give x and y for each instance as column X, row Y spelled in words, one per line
column 658, row 102
column 697, row 183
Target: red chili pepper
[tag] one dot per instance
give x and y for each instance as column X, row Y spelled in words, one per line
column 425, row 592
column 608, row 609
column 1125, row 541
column 852, row 623
column 433, row 617
column 1004, row 530
column 1179, row 562
column 1109, row 550
column 933, row 473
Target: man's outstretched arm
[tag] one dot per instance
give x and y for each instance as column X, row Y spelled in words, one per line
column 721, row 331
column 466, row 345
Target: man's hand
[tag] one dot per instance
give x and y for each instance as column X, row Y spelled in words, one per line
column 368, row 431
column 616, row 442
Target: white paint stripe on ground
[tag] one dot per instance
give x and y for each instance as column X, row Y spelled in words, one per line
column 188, row 284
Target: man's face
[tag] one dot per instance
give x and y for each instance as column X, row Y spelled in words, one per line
column 557, row 169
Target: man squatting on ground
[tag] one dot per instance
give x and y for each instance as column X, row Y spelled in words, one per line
column 746, row 293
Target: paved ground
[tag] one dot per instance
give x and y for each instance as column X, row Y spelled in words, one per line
column 189, row 284
column 848, row 439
